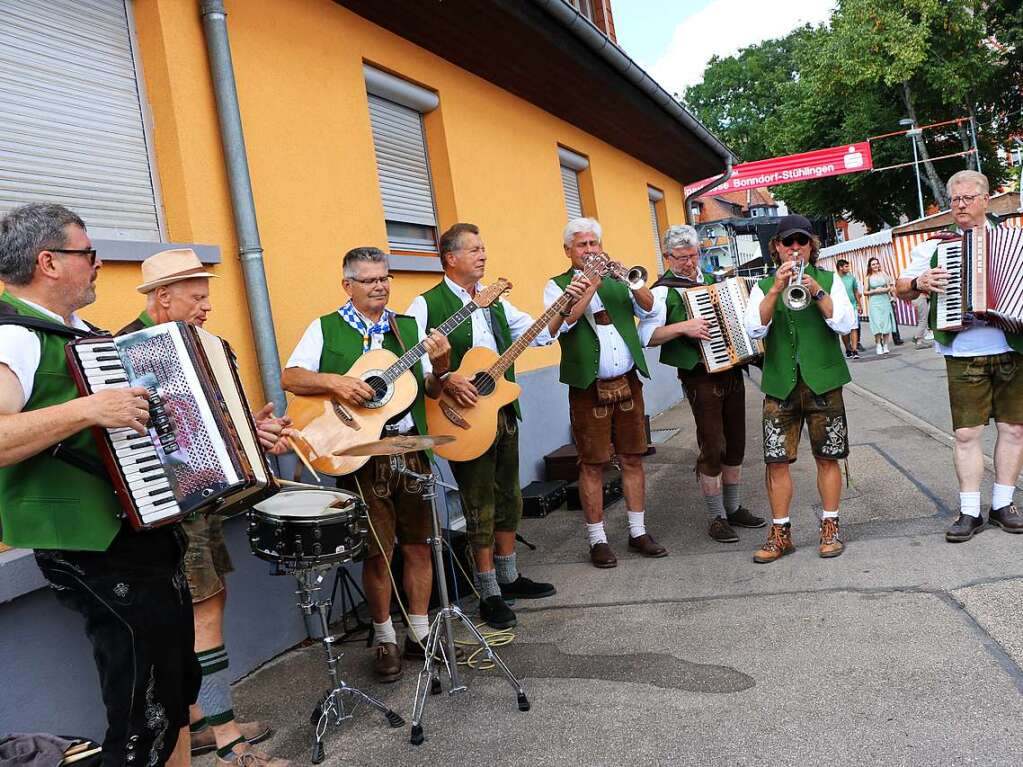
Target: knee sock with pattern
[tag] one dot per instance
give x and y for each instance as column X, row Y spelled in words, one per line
column 507, row 568
column 215, row 691
column 486, row 584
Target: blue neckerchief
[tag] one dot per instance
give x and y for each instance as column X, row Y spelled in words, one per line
column 353, row 318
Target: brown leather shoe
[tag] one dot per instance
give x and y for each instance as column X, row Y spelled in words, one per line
column 830, row 546
column 779, row 543
column 387, row 662
column 721, row 531
column 1008, row 518
column 602, row 556
column 647, row 546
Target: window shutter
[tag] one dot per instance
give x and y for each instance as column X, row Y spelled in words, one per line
column 71, row 122
column 404, row 173
column 657, row 230
column 573, row 201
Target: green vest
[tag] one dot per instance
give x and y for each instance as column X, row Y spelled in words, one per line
column 143, row 321
column 46, row 503
column 821, row 362
column 580, row 346
column 947, row 337
column 342, row 346
column 681, row 352
column 441, row 303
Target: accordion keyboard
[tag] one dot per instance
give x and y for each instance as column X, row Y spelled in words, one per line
column 715, row 351
column 135, row 455
column 950, row 303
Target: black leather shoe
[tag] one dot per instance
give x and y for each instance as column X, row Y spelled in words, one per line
column 964, row 528
column 524, row 588
column 415, row 651
column 1008, row 518
column 496, row 613
column 743, row 517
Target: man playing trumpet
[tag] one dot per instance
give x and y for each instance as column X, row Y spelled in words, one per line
column 804, row 371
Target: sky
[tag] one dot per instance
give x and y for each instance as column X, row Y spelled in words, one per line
column 674, row 39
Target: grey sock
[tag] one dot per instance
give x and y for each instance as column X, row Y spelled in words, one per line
column 714, row 506
column 486, row 584
column 507, row 570
column 731, row 496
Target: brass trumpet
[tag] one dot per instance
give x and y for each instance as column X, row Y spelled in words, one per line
column 795, row 296
column 635, row 276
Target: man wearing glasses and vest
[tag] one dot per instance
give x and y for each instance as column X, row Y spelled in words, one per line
column 488, row 485
column 804, row 371
column 601, row 360
column 984, row 377
column 325, row 353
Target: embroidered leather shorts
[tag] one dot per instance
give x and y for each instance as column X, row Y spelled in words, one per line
column 824, row 415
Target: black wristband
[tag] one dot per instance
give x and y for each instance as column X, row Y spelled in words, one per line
column 915, row 286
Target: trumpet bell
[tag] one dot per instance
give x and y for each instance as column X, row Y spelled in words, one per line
column 796, row 298
column 636, row 277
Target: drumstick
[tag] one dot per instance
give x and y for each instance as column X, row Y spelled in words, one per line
column 303, row 459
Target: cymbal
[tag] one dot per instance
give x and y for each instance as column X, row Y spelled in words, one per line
column 396, row 445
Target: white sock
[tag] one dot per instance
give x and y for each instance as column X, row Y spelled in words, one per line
column 829, row 515
column 384, row 632
column 419, row 626
column 1001, row 496
column 781, row 521
column 595, row 533
column 636, row 526
column 969, row 503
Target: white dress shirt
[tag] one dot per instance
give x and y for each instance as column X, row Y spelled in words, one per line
column 842, row 320
column 615, row 357
column 309, row 349
column 21, row 350
column 659, row 317
column 482, row 334
column 976, row 339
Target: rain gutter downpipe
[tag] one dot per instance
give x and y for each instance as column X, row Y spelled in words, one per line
column 214, row 22
column 712, row 184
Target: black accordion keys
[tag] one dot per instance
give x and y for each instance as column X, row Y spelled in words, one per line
column 200, row 453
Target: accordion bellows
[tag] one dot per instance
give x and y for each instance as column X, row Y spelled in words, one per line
column 201, row 452
column 985, row 269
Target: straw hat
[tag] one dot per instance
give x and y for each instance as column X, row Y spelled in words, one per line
column 169, row 266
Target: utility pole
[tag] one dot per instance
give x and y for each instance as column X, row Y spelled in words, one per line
column 911, row 134
column 973, row 134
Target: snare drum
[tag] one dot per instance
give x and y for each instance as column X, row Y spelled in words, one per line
column 308, row 527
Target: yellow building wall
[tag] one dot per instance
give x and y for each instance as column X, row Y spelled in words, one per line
column 298, row 66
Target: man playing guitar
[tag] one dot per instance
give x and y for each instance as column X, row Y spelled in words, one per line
column 489, row 485
column 327, row 350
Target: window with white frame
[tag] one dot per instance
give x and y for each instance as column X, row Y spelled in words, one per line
column 72, row 122
column 571, row 165
column 654, row 196
column 396, row 109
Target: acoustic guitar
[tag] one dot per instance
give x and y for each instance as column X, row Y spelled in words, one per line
column 325, row 426
column 474, row 428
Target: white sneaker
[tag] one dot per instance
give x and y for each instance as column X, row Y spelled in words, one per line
column 879, row 350
column 884, row 349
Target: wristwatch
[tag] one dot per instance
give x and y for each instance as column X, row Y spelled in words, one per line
column 915, row 285
column 819, row 294
column 443, row 377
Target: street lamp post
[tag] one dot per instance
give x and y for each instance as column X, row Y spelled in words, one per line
column 911, row 134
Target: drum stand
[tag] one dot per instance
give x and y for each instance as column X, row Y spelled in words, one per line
column 332, row 706
column 441, row 641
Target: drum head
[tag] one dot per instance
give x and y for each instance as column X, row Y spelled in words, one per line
column 307, row 504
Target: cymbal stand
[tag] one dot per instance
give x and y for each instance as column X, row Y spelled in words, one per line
column 331, row 707
column 441, row 640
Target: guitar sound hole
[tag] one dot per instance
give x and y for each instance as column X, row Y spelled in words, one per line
column 484, row 384
column 379, row 387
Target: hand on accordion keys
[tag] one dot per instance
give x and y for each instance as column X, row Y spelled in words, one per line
column 119, row 408
column 697, row 328
column 933, row 280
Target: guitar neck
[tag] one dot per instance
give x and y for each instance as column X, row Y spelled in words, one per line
column 522, row 342
column 410, row 357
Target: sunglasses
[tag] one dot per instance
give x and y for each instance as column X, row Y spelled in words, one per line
column 798, row 238
column 89, row 253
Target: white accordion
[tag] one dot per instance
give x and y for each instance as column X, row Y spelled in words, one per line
column 723, row 305
column 985, row 269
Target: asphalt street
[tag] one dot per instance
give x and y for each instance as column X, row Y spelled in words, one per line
column 906, row 650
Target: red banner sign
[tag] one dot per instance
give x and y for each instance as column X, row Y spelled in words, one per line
column 850, row 158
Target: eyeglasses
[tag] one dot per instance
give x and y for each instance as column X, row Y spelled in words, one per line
column 965, row 199
column 373, row 280
column 89, row 253
column 798, row 238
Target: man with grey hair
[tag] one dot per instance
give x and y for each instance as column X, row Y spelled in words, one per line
column 56, row 498
column 326, row 352
column 718, row 400
column 601, row 361
column 985, row 379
